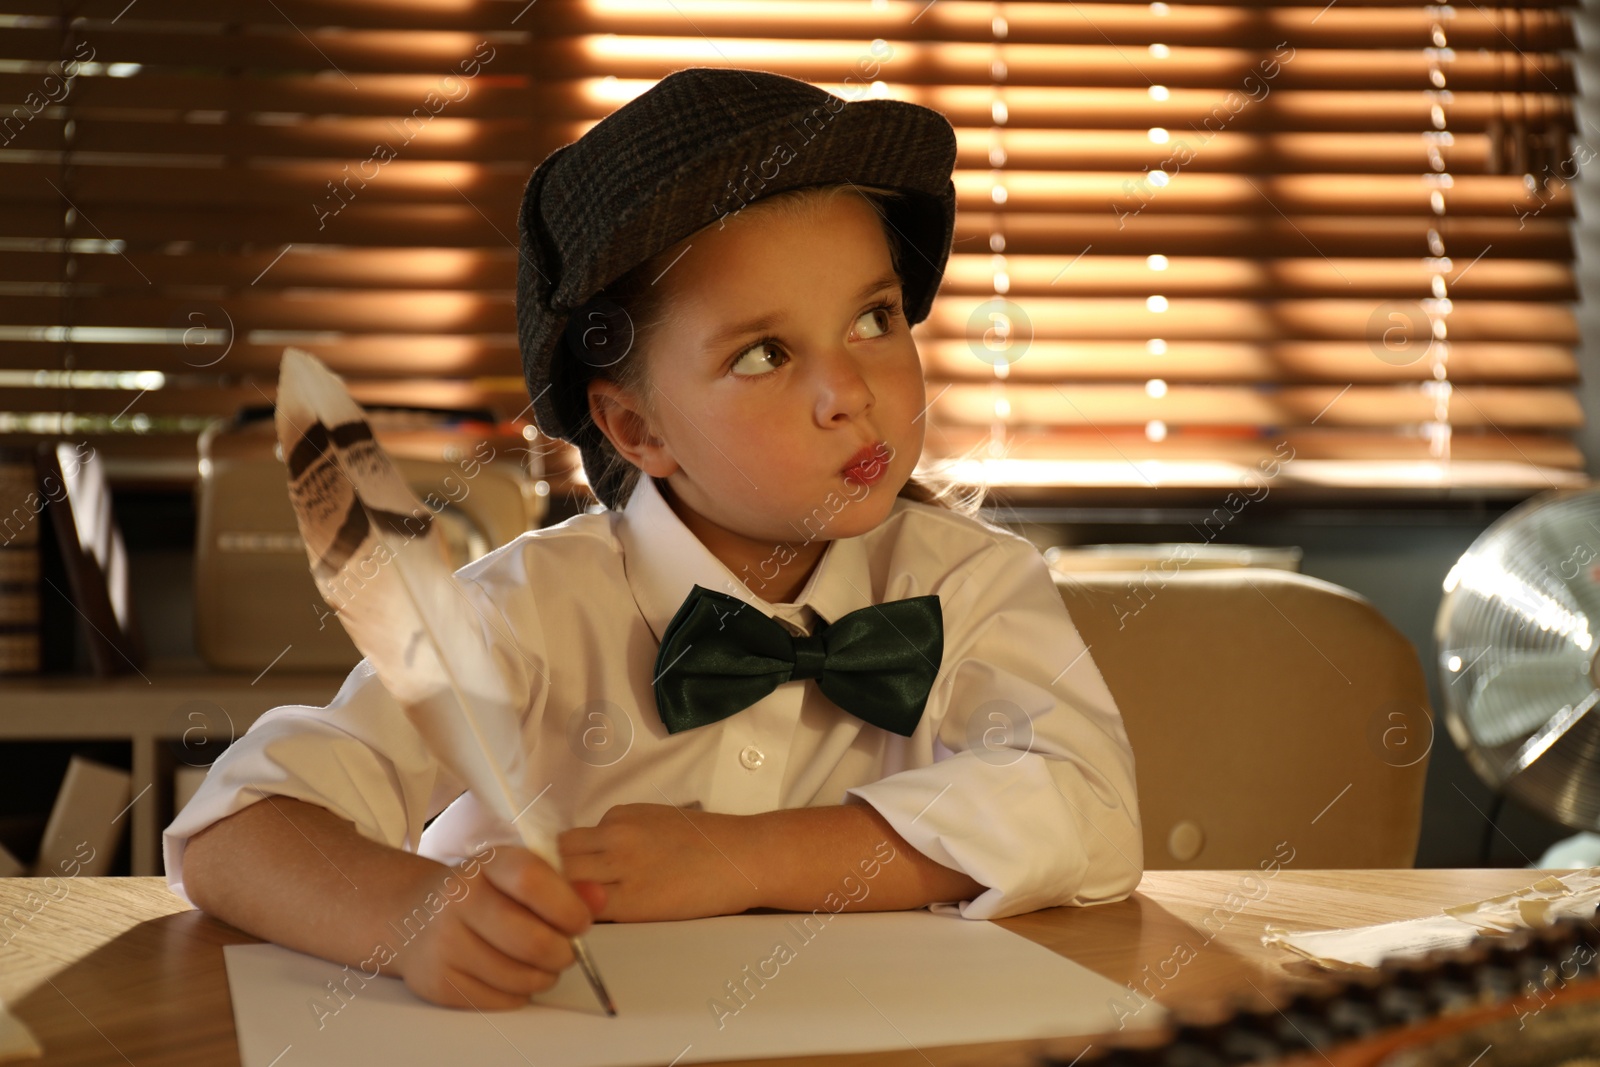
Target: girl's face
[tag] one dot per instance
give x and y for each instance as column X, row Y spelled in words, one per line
column 784, row 354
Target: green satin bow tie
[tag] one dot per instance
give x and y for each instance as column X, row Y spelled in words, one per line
column 719, row 655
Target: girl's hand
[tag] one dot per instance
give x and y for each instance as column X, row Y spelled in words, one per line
column 492, row 932
column 658, row 862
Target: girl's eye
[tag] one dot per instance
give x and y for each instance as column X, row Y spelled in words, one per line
column 759, row 349
column 887, row 309
column 757, row 359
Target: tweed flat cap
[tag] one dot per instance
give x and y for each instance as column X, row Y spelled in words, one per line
column 697, row 146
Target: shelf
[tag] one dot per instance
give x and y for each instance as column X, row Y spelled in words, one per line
column 168, row 702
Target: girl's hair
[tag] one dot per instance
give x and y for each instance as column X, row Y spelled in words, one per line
column 645, row 309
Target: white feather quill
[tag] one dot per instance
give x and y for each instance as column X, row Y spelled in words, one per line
column 380, row 563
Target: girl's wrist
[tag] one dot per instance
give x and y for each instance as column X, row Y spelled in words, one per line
column 747, row 842
column 785, row 848
column 412, row 883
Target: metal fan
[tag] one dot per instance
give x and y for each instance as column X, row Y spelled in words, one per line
column 1518, row 662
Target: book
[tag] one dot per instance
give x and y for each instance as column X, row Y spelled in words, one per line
column 94, row 555
column 86, row 823
column 185, row 781
column 20, row 505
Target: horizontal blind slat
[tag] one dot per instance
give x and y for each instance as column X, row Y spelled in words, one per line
column 473, row 356
column 1402, row 277
column 952, row 316
column 566, row 111
column 940, row 70
column 1288, row 362
column 1026, row 190
column 1096, row 405
column 1272, row 236
column 1147, row 232
column 1248, row 25
column 1087, row 405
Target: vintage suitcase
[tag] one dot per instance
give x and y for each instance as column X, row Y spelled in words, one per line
column 255, row 602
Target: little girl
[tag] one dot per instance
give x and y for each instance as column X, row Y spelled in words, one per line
column 777, row 671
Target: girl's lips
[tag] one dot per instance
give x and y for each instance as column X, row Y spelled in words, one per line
column 869, row 464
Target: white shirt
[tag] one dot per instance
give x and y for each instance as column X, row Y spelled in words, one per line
column 1019, row 772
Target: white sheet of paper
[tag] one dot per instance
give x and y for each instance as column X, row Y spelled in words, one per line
column 860, row 981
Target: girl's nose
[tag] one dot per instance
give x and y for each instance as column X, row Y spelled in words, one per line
column 842, row 389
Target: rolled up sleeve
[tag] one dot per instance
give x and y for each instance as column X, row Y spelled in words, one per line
column 358, row 757
column 1032, row 791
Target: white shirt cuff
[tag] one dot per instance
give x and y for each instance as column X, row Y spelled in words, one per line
column 1011, row 828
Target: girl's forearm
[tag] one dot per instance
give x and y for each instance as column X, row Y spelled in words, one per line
column 809, row 858
column 296, row 874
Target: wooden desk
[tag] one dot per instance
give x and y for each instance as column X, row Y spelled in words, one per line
column 119, row 970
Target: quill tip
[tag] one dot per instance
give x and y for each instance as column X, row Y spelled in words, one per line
column 587, row 963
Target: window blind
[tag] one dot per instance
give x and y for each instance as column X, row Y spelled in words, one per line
column 1325, row 245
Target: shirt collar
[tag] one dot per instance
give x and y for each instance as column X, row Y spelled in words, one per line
column 664, row 560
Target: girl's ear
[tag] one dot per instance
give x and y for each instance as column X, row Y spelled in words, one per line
column 622, row 419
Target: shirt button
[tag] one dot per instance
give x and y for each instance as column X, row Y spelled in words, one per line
column 751, row 757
